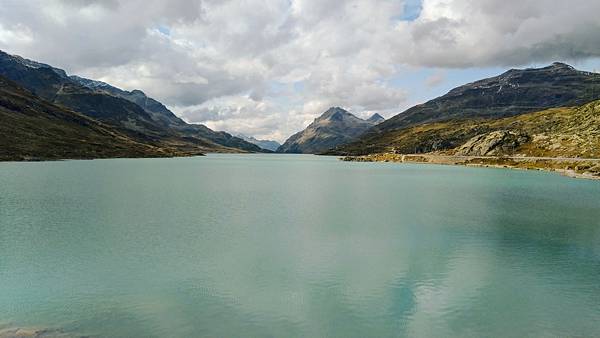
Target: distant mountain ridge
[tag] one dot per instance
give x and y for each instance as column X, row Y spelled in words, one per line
column 164, row 116
column 132, row 113
column 159, row 112
column 264, row 144
column 334, row 127
column 515, row 92
column 376, row 118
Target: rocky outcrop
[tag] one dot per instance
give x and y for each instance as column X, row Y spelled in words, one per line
column 496, row 143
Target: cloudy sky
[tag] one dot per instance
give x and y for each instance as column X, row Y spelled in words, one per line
column 267, row 68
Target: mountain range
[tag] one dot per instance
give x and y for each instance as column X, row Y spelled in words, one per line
column 516, row 92
column 132, row 114
column 269, row 145
column 334, row 127
column 47, row 114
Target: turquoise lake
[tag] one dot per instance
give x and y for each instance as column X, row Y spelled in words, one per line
column 296, row 246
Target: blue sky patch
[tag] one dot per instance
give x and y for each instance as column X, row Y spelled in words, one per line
column 412, row 10
column 165, row 30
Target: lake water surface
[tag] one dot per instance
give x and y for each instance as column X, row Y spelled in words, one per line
column 296, row 246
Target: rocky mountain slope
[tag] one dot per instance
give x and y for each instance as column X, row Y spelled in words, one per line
column 557, row 132
column 334, row 127
column 564, row 139
column 512, row 93
column 569, row 132
column 264, row 144
column 34, row 129
column 163, row 116
column 132, row 113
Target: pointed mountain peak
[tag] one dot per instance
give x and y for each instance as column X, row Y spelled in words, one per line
column 137, row 92
column 376, row 118
column 334, row 113
column 334, row 127
column 560, row 65
column 555, row 67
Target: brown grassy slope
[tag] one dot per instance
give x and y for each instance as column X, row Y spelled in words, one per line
column 34, row 129
column 557, row 132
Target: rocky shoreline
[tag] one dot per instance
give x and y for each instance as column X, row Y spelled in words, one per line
column 576, row 168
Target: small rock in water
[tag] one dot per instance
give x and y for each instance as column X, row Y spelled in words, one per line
column 33, row 333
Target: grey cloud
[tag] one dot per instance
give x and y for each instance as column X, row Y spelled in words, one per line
column 112, row 4
column 464, row 33
column 440, row 32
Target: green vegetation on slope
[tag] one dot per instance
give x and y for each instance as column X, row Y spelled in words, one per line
column 556, row 132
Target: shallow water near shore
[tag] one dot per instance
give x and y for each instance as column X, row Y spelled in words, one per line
column 296, row 245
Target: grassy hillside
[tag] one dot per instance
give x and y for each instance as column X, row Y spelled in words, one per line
column 556, row 132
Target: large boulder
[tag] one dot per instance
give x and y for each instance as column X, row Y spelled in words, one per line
column 496, row 143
